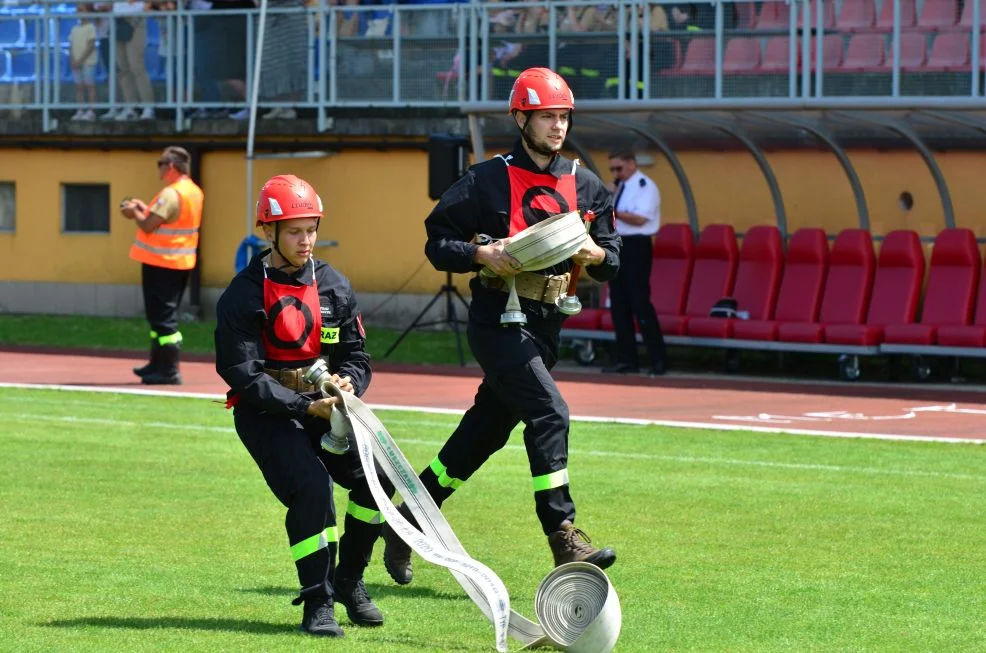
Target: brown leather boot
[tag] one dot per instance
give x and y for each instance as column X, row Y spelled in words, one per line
column 570, row 544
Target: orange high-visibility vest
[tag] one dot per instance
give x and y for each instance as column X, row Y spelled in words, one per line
column 173, row 245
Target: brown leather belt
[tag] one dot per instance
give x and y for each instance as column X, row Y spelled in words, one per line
column 292, row 378
column 532, row 285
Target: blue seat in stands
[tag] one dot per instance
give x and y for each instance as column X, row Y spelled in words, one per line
column 11, row 31
column 22, row 66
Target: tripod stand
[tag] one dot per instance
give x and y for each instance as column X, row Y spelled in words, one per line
column 448, row 291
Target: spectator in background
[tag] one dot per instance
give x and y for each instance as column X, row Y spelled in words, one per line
column 83, row 57
column 284, row 68
column 637, row 210
column 220, row 53
column 131, row 42
column 426, row 22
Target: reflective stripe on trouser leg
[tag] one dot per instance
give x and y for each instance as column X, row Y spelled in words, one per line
column 436, row 479
column 550, row 481
column 362, row 528
column 368, row 515
column 310, row 545
column 441, row 473
column 170, row 339
column 518, row 386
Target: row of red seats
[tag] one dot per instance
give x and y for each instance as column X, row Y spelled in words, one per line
column 949, row 52
column 811, row 294
column 862, row 15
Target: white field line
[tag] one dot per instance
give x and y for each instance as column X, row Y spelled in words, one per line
column 709, row 426
column 874, row 471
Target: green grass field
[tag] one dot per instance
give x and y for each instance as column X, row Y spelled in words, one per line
column 140, row 523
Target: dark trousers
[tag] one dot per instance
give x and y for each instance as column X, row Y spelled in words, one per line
column 300, row 474
column 163, row 288
column 517, row 387
column 629, row 295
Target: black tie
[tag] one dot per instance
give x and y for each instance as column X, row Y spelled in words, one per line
column 619, row 194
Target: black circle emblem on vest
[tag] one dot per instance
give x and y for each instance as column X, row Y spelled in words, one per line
column 533, row 214
column 275, row 312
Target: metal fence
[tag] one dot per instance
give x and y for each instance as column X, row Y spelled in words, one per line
column 184, row 65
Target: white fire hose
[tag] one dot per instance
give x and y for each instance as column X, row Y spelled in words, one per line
column 576, row 606
column 540, row 246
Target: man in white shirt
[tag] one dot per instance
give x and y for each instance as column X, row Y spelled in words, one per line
column 637, row 209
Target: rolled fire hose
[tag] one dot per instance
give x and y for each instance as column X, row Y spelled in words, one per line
column 576, row 605
column 540, row 246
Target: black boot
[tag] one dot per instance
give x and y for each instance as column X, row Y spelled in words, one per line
column 396, row 552
column 319, row 615
column 359, row 606
column 167, row 371
column 154, row 363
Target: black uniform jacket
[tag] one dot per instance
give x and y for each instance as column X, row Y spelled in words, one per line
column 479, row 203
column 240, row 320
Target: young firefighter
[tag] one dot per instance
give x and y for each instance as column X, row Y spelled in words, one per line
column 278, row 316
column 500, row 198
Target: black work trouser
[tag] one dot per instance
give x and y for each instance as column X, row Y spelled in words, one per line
column 629, row 296
column 163, row 288
column 517, row 387
column 300, row 474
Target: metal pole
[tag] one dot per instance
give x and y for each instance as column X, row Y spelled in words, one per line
column 792, row 55
column 805, row 44
column 252, row 129
column 396, row 70
column 895, row 48
column 179, row 65
column 720, row 64
column 976, row 43
column 819, row 47
column 323, row 71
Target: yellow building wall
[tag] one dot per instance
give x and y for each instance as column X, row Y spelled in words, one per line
column 376, row 202
column 729, row 187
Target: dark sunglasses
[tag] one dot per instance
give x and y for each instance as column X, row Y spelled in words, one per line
column 162, row 162
column 615, row 168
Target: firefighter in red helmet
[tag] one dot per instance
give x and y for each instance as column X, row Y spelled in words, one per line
column 499, row 198
column 280, row 314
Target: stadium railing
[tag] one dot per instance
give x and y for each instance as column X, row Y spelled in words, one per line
column 882, row 53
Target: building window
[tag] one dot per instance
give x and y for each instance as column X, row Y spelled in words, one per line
column 86, row 208
column 8, row 206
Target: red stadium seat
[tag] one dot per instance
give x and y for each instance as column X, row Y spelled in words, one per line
column 856, row 15
column 847, row 288
column 700, row 57
column 741, row 56
column 671, row 270
column 758, row 277
column 972, row 335
column 968, row 6
column 828, row 14
column 866, row 52
column 777, row 55
column 913, row 52
column 908, row 15
column 951, row 290
column 831, row 52
column 949, row 52
column 896, row 292
column 800, row 294
column 774, row 15
column 712, row 276
column 746, row 15
column 937, row 15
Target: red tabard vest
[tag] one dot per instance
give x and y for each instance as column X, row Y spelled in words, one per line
column 294, row 321
column 535, row 196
